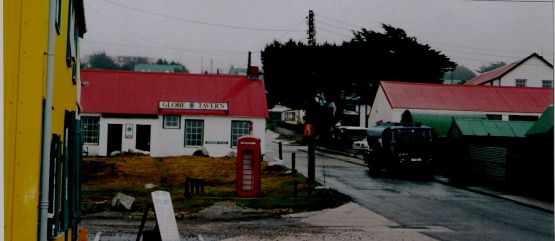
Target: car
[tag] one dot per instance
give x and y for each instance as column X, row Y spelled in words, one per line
column 344, row 137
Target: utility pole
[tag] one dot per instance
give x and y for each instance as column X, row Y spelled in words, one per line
column 311, row 29
column 309, row 127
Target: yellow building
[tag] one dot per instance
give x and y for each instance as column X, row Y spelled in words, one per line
column 30, row 63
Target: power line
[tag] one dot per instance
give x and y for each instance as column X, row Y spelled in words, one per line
column 189, row 50
column 292, row 28
column 333, row 25
column 329, row 31
column 200, row 22
column 160, row 45
column 514, row 1
column 338, row 21
column 122, row 27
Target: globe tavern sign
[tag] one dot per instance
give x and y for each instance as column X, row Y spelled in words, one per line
column 193, row 105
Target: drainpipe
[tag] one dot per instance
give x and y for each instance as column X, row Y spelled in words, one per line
column 47, row 125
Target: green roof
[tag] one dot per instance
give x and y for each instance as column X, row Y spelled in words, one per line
column 156, row 68
column 441, row 122
column 495, row 128
column 544, row 124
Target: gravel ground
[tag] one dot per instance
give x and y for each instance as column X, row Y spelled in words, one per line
column 225, row 221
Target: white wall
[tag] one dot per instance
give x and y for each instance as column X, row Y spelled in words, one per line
column 533, row 70
column 363, row 111
column 381, row 110
column 170, row 142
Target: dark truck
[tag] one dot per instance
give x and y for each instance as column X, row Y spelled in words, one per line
column 399, row 147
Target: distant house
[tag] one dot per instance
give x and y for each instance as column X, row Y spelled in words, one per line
column 169, row 114
column 286, row 114
column 237, row 71
column 532, row 71
column 121, row 60
column 277, row 113
column 161, row 68
column 501, row 103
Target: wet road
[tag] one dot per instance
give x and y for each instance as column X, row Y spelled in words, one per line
column 440, row 211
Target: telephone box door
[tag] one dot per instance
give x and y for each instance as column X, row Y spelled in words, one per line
column 248, row 166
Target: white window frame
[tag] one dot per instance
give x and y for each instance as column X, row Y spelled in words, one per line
column 520, row 82
column 171, row 124
column 87, row 130
column 547, row 83
column 238, row 131
column 193, row 130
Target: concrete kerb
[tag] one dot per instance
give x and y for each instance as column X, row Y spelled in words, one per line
column 495, row 195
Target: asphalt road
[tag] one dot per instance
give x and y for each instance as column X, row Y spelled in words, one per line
column 440, row 211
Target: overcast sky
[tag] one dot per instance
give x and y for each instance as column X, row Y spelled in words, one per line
column 210, row 34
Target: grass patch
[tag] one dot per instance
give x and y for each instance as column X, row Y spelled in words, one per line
column 104, row 177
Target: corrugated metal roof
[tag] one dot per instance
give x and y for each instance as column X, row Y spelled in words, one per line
column 402, row 95
column 496, row 128
column 126, row 92
column 442, row 122
column 544, row 124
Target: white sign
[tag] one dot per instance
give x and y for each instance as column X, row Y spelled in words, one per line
column 193, row 105
column 165, row 216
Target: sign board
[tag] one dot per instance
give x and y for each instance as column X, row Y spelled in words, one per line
column 165, row 216
column 193, row 105
column 217, row 142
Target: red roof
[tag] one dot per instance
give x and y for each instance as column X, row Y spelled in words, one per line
column 501, row 71
column 467, row 97
column 125, row 92
column 491, row 75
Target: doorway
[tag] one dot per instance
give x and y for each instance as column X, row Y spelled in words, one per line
column 143, row 137
column 114, row 138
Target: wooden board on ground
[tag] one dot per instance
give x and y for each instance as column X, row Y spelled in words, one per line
column 163, row 208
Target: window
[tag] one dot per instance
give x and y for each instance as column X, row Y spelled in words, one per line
column 520, row 82
column 523, row 118
column 238, row 129
column 494, row 117
column 172, row 122
column 194, row 132
column 90, row 129
column 547, row 83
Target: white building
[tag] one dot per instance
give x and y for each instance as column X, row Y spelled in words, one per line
column 501, row 103
column 170, row 114
column 532, row 71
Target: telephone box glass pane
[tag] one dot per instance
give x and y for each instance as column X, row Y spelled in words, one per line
column 247, row 170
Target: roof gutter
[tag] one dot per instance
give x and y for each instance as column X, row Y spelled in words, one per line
column 47, row 125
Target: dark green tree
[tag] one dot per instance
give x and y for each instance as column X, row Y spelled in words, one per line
column 102, row 61
column 295, row 72
column 130, row 65
column 162, row 62
column 461, row 74
column 491, row 66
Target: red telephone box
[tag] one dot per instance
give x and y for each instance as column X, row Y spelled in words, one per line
column 248, row 171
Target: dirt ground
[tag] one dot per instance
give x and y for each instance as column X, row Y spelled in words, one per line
column 225, row 221
column 222, row 221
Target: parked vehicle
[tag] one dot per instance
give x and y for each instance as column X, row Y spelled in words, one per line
column 343, row 137
column 399, row 146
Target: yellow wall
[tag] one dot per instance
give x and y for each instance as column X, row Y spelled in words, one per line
column 25, row 45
